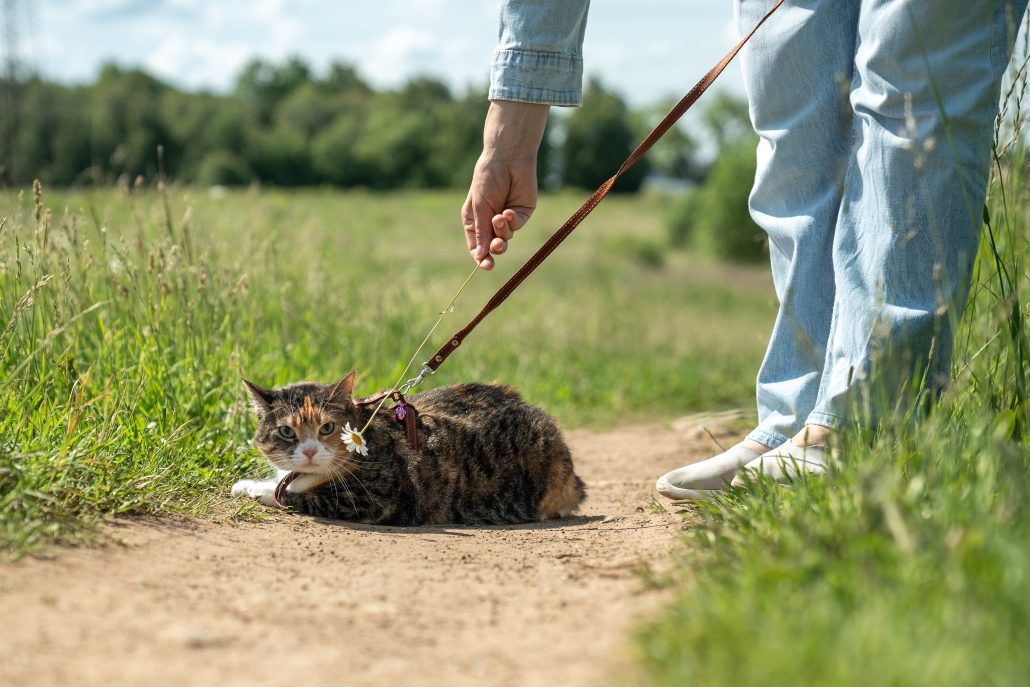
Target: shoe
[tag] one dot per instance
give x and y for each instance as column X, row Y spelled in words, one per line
column 784, row 464
column 699, row 481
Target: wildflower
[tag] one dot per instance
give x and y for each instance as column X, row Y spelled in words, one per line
column 353, row 440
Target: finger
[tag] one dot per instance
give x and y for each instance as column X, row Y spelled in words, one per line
column 468, row 221
column 484, row 230
column 501, row 227
column 517, row 217
column 498, row 246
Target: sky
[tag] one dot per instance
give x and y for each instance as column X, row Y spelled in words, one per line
column 646, row 49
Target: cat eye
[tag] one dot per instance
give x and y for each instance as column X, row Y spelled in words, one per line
column 287, row 432
column 326, row 429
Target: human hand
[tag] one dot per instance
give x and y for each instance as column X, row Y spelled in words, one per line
column 503, row 192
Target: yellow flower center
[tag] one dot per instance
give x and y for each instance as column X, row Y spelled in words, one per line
column 356, row 438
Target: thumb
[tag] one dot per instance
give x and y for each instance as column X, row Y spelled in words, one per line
column 484, row 229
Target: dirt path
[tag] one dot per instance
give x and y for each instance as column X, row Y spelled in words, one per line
column 293, row 601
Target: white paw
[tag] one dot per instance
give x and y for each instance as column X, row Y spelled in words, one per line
column 262, row 490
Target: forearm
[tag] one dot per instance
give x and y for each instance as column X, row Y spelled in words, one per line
column 513, row 130
column 539, row 55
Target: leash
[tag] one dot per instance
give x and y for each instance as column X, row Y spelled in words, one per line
column 563, row 232
column 431, row 365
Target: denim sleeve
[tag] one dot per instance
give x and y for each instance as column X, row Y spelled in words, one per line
column 539, row 55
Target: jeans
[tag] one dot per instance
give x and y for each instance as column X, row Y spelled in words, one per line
column 539, row 54
column 875, row 120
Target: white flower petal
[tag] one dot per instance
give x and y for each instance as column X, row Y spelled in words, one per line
column 353, row 440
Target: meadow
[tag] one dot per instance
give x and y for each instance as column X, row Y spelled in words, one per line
column 131, row 316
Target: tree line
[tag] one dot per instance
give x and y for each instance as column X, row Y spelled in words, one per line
column 284, row 125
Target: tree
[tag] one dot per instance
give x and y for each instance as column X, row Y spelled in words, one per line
column 727, row 119
column 344, row 78
column 673, row 155
column 714, row 218
column 128, row 122
column 598, row 137
column 263, row 85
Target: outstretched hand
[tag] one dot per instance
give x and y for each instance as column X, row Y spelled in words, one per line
column 503, row 192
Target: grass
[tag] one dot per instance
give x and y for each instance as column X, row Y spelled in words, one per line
column 910, row 565
column 129, row 317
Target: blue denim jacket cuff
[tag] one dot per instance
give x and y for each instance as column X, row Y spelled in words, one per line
column 537, row 77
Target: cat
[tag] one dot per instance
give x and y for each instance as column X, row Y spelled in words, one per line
column 484, row 457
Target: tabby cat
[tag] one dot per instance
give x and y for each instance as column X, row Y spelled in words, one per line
column 484, row 457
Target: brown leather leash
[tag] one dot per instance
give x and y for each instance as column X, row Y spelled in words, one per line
column 563, row 232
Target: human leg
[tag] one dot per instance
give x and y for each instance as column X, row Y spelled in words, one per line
column 797, row 76
column 925, row 95
column 796, row 71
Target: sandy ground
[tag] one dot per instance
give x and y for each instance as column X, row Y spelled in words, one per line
column 291, row 600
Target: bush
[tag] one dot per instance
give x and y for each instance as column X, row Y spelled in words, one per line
column 714, row 218
column 222, row 168
column 598, row 138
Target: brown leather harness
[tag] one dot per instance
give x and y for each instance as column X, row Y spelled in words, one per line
column 403, row 412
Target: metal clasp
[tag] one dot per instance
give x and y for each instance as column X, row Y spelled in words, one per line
column 415, row 381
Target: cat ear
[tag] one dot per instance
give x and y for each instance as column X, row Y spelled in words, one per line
column 261, row 398
column 341, row 392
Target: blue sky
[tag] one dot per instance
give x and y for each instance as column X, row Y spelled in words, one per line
column 646, row 48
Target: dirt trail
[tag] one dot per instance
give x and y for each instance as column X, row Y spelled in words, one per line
column 291, row 600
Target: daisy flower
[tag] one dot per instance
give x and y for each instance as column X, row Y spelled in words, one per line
column 353, row 440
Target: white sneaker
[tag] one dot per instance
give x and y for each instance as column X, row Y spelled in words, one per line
column 699, row 481
column 784, row 463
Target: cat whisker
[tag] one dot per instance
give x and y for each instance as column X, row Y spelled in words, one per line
column 362, row 485
column 351, row 473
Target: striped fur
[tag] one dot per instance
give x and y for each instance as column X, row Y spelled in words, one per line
column 485, row 457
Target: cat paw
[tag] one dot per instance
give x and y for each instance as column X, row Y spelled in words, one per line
column 262, row 490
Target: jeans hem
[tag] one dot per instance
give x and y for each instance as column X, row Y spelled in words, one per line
column 837, row 422
column 766, row 438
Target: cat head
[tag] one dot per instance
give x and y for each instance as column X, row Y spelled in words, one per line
column 299, row 425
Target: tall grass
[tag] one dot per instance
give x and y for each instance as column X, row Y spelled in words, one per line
column 910, row 564
column 128, row 318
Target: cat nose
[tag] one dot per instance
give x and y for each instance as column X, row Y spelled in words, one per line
column 310, row 451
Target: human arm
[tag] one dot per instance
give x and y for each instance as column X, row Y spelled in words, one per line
column 538, row 63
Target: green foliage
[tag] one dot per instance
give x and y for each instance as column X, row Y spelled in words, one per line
column 598, row 137
column 286, row 126
column 125, row 330
column 222, row 168
column 127, row 122
column 725, row 117
column 282, row 125
column 714, row 217
column 674, row 155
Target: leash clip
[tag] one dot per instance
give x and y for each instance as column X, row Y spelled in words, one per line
column 415, row 381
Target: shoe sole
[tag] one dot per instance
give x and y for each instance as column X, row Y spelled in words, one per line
column 680, row 494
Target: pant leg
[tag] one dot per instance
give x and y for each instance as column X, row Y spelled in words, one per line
column 797, row 74
column 925, row 95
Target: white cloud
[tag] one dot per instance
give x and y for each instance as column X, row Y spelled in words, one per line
column 197, row 62
column 205, row 42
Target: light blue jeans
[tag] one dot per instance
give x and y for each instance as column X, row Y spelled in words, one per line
column 875, row 120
